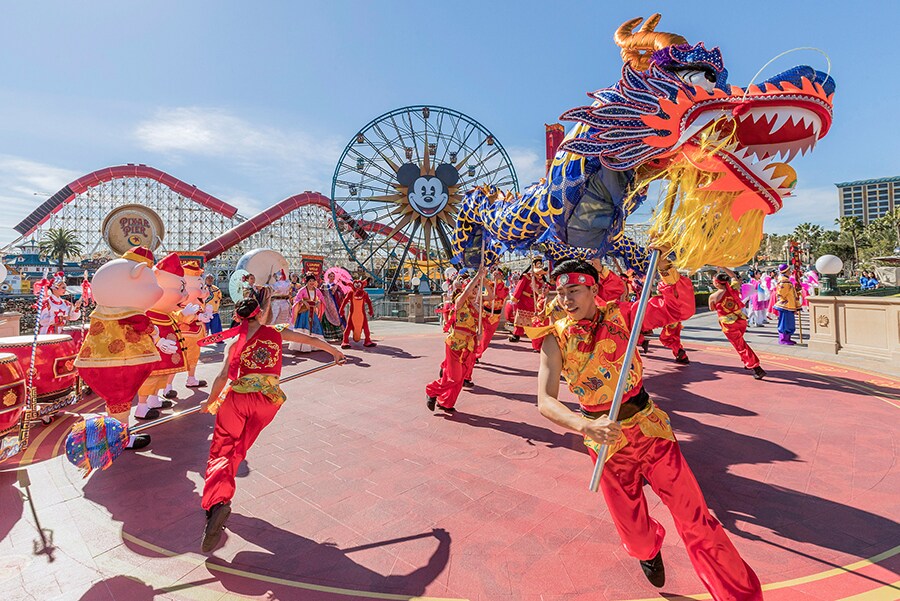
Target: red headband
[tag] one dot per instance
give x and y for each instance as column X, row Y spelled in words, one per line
column 575, row 279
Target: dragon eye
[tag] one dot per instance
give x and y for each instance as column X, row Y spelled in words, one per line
column 701, row 78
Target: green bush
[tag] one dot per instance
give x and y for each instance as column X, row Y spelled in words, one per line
column 701, row 298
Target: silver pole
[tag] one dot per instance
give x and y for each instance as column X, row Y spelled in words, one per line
column 174, row 416
column 626, row 364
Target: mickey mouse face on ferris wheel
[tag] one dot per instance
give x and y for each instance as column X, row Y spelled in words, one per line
column 428, row 194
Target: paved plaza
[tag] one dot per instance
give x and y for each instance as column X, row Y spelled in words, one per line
column 356, row 491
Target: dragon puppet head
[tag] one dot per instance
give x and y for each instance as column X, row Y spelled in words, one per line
column 724, row 150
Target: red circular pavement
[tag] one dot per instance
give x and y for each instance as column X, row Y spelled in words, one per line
column 356, row 490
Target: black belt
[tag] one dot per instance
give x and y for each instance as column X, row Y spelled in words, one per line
column 629, row 408
column 493, row 311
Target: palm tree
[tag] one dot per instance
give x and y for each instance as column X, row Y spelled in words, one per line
column 853, row 229
column 893, row 219
column 60, row 244
column 809, row 234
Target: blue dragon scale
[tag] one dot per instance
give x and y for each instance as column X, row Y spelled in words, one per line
column 722, row 153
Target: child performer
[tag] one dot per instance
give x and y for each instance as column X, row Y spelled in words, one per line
column 459, row 354
column 787, row 303
column 726, row 301
column 492, row 306
column 587, row 347
column 244, row 407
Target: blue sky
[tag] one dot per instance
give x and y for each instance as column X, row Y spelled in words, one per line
column 254, row 101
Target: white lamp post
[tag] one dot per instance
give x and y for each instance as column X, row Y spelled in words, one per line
column 829, row 266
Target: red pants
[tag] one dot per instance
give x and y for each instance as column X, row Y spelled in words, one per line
column 457, row 366
column 724, row 573
column 734, row 332
column 670, row 337
column 487, row 333
column 239, row 421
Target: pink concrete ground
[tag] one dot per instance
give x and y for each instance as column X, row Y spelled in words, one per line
column 357, row 491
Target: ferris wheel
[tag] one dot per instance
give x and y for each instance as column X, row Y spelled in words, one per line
column 398, row 182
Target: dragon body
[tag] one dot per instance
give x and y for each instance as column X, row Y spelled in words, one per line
column 721, row 151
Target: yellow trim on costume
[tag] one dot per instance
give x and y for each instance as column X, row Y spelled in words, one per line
column 653, row 422
column 265, row 384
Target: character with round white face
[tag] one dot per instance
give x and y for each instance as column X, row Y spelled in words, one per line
column 427, row 195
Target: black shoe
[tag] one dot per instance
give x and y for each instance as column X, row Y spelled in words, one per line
column 430, row 402
column 151, row 414
column 758, row 373
column 140, row 441
column 448, row 410
column 513, row 338
column 682, row 358
column 468, row 384
column 167, row 404
column 172, row 394
column 646, row 346
column 215, row 524
column 654, row 570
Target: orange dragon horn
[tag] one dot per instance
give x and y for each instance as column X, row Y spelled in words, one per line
column 637, row 46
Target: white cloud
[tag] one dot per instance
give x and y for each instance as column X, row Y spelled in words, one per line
column 530, row 167
column 818, row 206
column 298, row 158
column 24, row 185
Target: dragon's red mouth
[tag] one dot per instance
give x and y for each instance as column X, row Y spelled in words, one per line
column 758, row 134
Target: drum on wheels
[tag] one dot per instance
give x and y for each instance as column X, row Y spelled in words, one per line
column 12, row 392
column 54, row 370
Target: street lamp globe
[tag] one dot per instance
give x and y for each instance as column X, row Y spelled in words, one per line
column 829, row 266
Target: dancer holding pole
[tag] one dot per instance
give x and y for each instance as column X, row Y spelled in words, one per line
column 459, row 356
column 588, row 348
column 244, row 407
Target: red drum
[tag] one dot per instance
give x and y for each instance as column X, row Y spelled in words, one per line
column 12, row 392
column 55, row 371
column 77, row 333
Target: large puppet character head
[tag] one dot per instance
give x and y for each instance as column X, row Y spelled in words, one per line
column 196, row 288
column 170, row 277
column 127, row 283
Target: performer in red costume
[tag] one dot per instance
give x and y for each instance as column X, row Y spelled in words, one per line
column 727, row 302
column 246, row 406
column 495, row 293
column 56, row 312
column 587, row 347
column 529, row 297
column 357, row 322
column 670, row 337
column 459, row 354
column 170, row 277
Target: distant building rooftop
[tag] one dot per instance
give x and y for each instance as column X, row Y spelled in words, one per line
column 863, row 182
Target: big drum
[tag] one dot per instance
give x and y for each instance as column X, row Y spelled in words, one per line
column 77, row 333
column 55, row 372
column 12, row 392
